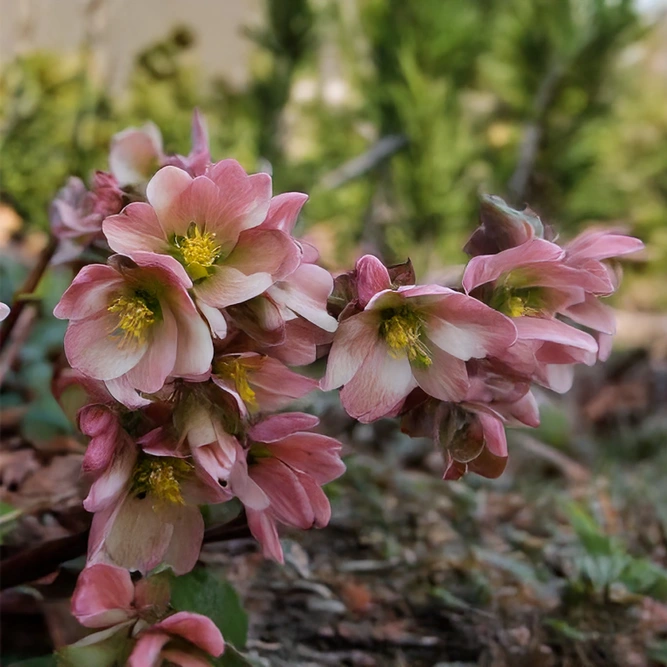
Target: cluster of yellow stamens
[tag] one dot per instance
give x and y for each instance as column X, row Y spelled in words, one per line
column 160, row 478
column 198, row 251
column 135, row 317
column 401, row 329
column 237, row 371
column 518, row 301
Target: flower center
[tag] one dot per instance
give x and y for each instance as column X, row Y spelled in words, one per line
column 518, row 301
column 135, row 317
column 401, row 329
column 160, row 477
column 237, row 371
column 198, row 251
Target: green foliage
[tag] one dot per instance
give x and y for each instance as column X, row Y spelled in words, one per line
column 604, row 561
column 205, row 593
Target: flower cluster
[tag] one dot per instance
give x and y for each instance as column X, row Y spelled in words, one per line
column 180, row 347
column 457, row 364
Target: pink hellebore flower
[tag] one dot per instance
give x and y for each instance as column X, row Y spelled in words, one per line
column 408, row 337
column 280, row 482
column 137, row 153
column 259, row 383
column 105, row 596
column 145, row 502
column 163, row 643
column 209, row 225
column 76, row 214
column 532, row 279
column 133, row 325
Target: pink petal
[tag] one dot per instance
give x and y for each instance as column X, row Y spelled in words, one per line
column 277, row 427
column 494, row 434
column 354, row 341
column 137, row 228
column 138, row 536
column 109, row 486
column 265, row 251
column 318, row 501
column 134, row 154
column 186, row 538
column 311, row 453
column 164, row 268
column 90, row 292
column 487, row 268
column 228, row 286
column 92, row 348
column 372, row 277
column 103, row 596
column 194, row 350
column 150, row 373
column 147, row 651
column 594, row 314
column 216, row 320
column 263, row 529
column 276, row 386
column 289, row 501
column 446, row 378
column 195, row 628
column 121, row 389
column 598, row 245
column 284, row 211
column 163, row 191
column 466, row 328
column 183, row 659
column 245, row 488
column 247, row 198
column 378, row 386
column 306, row 292
column 535, row 328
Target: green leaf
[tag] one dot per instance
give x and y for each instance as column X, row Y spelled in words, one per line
column 202, row 592
column 107, row 648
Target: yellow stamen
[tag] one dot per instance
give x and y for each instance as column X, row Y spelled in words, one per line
column 237, row 371
column 198, row 250
column 160, row 477
column 134, row 317
column 402, row 331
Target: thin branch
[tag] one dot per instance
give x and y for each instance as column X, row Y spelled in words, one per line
column 33, row 564
column 21, row 298
column 365, row 162
column 533, row 134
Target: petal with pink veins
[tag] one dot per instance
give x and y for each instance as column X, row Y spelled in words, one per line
column 284, row 211
column 90, row 292
column 137, row 228
column 103, row 596
column 147, row 650
column 379, row 384
column 446, row 378
column 195, row 628
column 263, row 529
column 92, row 347
column 227, row 286
column 277, row 427
column 265, row 251
column 354, row 341
column 372, row 277
column 163, row 191
column 487, row 268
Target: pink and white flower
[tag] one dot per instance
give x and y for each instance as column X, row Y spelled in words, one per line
column 185, row 639
column 409, row 337
column 279, row 477
column 209, row 224
column 133, row 325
